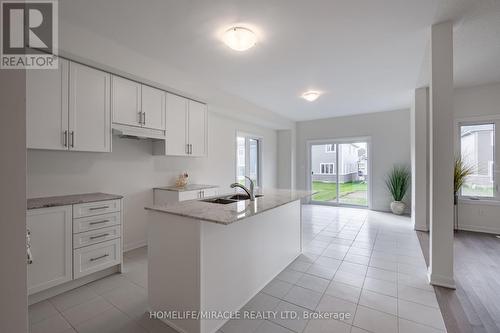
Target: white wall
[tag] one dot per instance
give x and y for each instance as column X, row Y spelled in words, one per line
column 132, row 170
column 480, row 101
column 390, row 144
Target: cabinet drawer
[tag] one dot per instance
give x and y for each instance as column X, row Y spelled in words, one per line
column 96, row 208
column 189, row 195
column 96, row 222
column 93, row 258
column 96, row 236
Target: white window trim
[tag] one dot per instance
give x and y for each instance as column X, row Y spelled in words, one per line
column 247, row 155
column 327, row 173
column 331, row 151
column 480, row 120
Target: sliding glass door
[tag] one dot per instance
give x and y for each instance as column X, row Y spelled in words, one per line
column 339, row 173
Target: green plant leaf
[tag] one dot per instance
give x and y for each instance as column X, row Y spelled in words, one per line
column 398, row 182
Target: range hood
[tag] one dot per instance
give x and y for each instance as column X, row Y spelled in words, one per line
column 138, row 133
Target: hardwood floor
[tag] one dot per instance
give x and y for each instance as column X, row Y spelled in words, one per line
column 475, row 305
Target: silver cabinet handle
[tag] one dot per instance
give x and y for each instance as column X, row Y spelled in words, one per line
column 98, row 222
column 187, row 148
column 29, row 255
column 72, row 134
column 100, row 257
column 144, row 118
column 140, row 117
column 65, row 138
column 96, row 208
column 98, row 236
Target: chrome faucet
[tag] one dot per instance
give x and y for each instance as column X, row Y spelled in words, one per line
column 249, row 191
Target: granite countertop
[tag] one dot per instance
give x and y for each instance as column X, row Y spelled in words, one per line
column 72, row 199
column 233, row 212
column 188, row 187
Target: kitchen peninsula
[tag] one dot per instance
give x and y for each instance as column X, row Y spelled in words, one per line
column 216, row 254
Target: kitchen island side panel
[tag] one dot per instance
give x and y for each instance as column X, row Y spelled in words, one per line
column 174, row 267
column 239, row 259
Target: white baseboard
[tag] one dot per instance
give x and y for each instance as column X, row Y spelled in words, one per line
column 135, row 245
column 54, row 291
column 478, row 228
column 441, row 281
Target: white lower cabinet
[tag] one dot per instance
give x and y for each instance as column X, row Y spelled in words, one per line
column 50, row 236
column 69, row 242
column 93, row 258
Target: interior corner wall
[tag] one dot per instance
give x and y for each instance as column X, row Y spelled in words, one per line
column 390, row 144
column 470, row 103
column 420, row 159
column 286, row 159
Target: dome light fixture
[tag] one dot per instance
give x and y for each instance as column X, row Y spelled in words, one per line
column 239, row 38
column 311, row 95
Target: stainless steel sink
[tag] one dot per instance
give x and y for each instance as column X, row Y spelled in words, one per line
column 243, row 197
column 230, row 199
column 221, row 201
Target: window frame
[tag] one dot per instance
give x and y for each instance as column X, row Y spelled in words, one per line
column 495, row 121
column 334, row 150
column 248, row 137
column 327, row 164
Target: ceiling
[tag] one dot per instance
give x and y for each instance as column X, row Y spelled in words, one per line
column 364, row 55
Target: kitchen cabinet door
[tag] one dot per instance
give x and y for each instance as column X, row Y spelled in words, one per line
column 197, row 128
column 89, row 109
column 126, row 101
column 50, row 239
column 153, row 108
column 47, row 107
column 176, row 125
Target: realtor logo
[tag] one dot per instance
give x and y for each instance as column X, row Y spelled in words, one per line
column 29, row 34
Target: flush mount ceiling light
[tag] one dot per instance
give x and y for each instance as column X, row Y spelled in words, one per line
column 239, row 38
column 311, row 95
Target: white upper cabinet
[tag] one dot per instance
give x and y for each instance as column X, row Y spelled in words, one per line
column 51, row 247
column 176, row 126
column 153, row 108
column 197, row 123
column 126, row 101
column 136, row 104
column 89, row 109
column 47, row 107
column 186, row 128
column 68, row 108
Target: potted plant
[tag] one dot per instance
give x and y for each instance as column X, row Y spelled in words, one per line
column 398, row 181
column 462, row 171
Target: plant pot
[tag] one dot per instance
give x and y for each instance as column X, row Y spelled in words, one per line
column 398, row 207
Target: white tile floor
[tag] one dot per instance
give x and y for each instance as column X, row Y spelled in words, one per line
column 368, row 264
column 355, row 261
column 114, row 304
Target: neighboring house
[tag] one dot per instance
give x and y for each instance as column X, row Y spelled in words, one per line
column 477, row 146
column 352, row 162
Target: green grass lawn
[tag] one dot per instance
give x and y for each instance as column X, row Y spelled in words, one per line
column 353, row 193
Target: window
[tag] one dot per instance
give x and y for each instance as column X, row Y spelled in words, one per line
column 248, row 158
column 330, row 148
column 327, row 168
column 477, row 148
